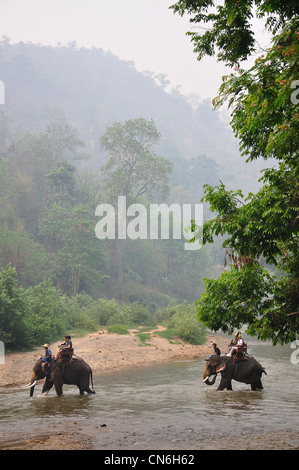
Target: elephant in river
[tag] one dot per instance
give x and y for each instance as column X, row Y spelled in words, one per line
column 76, row 373
column 248, row 371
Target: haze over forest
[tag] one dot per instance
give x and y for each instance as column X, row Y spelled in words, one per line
column 59, row 101
column 91, row 89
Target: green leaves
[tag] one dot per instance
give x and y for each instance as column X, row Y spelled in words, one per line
column 260, row 231
column 264, row 115
column 226, row 27
column 249, row 296
column 14, row 331
column 79, row 259
column 25, row 254
column 132, row 168
column 235, row 298
column 184, row 325
column 264, row 227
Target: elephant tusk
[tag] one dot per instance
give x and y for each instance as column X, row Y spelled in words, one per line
column 207, row 378
column 31, row 385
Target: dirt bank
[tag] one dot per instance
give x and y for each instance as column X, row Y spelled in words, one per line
column 106, row 353
column 109, row 352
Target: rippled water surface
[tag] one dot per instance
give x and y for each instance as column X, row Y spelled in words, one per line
column 165, row 406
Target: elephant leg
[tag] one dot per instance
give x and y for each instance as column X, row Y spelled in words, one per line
column 222, row 385
column 260, row 386
column 229, row 386
column 58, row 388
column 84, row 386
column 47, row 386
column 225, row 384
column 257, row 385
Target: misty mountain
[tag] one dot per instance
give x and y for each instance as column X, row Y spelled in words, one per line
column 93, row 89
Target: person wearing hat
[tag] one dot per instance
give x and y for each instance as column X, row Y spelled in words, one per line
column 46, row 358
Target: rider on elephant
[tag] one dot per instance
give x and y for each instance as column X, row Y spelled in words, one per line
column 238, row 347
column 66, row 345
column 46, row 358
column 216, row 349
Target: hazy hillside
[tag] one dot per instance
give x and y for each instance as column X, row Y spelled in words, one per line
column 93, row 89
column 58, row 103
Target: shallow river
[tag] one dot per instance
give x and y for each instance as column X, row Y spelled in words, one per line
column 165, row 407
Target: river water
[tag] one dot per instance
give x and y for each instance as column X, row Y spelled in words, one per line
column 166, row 407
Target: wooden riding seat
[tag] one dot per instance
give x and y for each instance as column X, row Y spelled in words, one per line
column 240, row 354
column 65, row 356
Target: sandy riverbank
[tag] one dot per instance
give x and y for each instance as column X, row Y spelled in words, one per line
column 109, row 352
column 104, row 353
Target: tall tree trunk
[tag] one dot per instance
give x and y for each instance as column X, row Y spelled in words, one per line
column 119, row 260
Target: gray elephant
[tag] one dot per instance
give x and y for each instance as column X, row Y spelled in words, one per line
column 248, row 371
column 78, row 372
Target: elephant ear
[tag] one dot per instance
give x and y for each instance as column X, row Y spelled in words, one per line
column 221, row 367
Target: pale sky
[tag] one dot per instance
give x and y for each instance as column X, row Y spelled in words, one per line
column 143, row 31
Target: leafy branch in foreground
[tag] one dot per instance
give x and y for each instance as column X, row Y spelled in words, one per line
column 226, row 27
column 261, row 231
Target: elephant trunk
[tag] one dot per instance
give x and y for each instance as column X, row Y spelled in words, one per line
column 208, row 381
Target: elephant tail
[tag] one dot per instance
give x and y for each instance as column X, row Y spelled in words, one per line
column 264, row 371
column 92, row 389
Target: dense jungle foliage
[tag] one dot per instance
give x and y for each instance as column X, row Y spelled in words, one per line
column 259, row 289
column 57, row 126
column 80, row 127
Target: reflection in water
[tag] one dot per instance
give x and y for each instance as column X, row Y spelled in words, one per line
column 167, row 402
column 232, row 402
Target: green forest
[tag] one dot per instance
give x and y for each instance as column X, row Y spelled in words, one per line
column 80, row 127
column 258, row 289
column 57, row 166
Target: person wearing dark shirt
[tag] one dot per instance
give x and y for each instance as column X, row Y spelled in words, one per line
column 66, row 345
column 216, row 349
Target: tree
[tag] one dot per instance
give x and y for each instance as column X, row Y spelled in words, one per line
column 48, row 317
column 261, row 231
column 77, row 256
column 183, row 323
column 263, row 228
column 132, row 169
column 35, row 162
column 227, row 26
column 5, row 195
column 26, row 255
column 14, row 331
